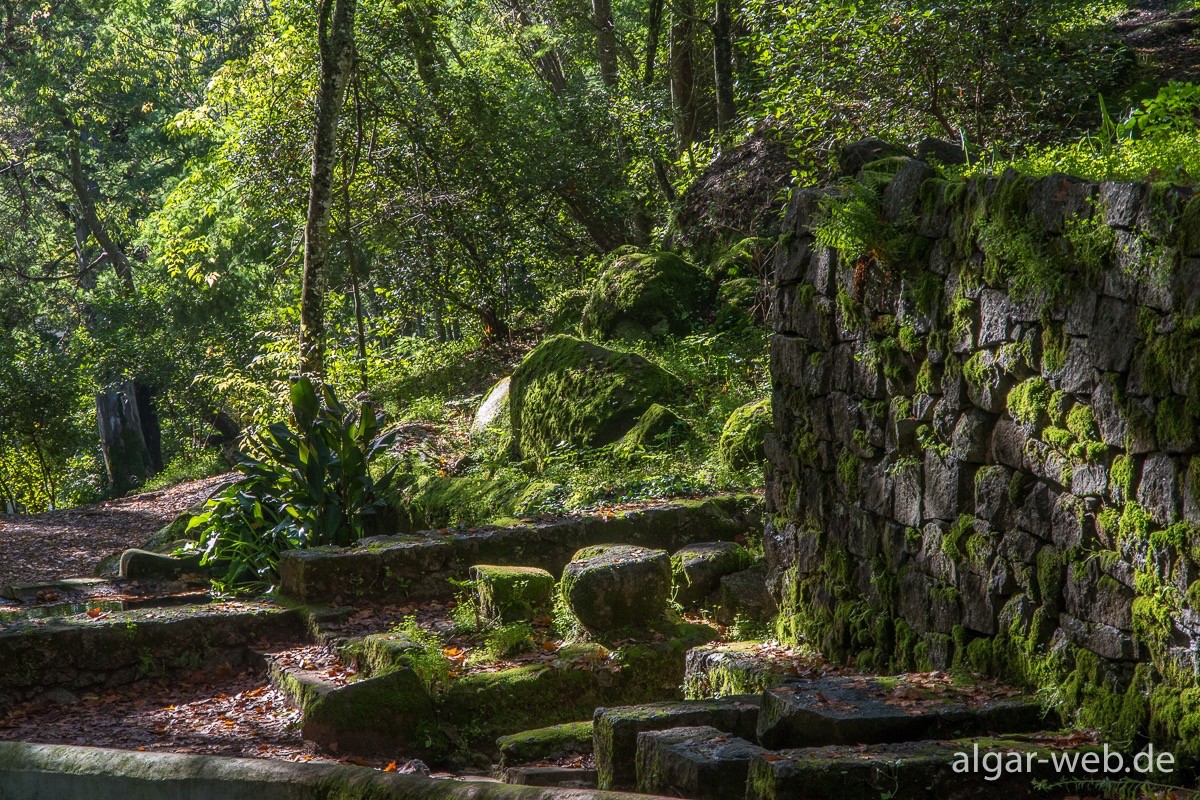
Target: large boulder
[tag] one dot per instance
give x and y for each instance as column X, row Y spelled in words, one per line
column 612, row 586
column 643, row 294
column 571, row 392
column 512, row 594
column 742, row 437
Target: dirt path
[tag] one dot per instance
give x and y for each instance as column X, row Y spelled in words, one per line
column 1165, row 41
column 71, row 543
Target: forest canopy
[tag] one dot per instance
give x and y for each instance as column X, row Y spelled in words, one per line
column 491, row 159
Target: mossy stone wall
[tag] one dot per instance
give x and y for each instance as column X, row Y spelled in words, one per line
column 985, row 449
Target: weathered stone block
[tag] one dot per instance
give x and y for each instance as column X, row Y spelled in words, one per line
column 1158, row 489
column 873, row 710
column 947, row 486
column 697, row 762
column 1113, row 334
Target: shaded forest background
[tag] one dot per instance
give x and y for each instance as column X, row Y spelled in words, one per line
column 492, row 158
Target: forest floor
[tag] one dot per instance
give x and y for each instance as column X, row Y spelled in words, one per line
column 71, row 543
column 1163, row 36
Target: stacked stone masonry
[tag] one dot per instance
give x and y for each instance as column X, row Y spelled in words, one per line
column 986, row 426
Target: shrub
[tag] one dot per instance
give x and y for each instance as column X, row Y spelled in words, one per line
column 302, row 486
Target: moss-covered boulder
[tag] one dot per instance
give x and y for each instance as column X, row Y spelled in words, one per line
column 657, row 428
column 698, row 569
column 742, row 437
column 647, row 294
column 572, row 392
column 617, row 586
column 512, row 594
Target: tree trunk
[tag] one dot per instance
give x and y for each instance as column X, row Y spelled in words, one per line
column 87, row 209
column 606, row 42
column 723, row 66
column 335, row 39
column 124, row 437
column 683, row 74
column 653, row 33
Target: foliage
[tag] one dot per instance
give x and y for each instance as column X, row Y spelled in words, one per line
column 302, row 486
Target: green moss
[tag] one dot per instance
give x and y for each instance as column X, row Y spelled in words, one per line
column 567, row 391
column 1173, row 424
column 742, row 436
column 1051, row 574
column 640, row 294
column 1029, row 401
column 1135, row 523
column 511, row 594
column 848, row 467
column 550, row 742
column 1054, row 347
column 925, row 382
column 954, row 543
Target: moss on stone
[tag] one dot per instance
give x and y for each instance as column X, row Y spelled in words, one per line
column 512, row 594
column 1029, row 401
column 554, row 741
column 641, row 294
column 657, row 428
column 571, row 392
column 742, row 436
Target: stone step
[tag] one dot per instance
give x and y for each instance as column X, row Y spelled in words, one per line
column 701, row 763
column 555, row 741
column 921, row 770
column 869, row 710
column 564, row 777
column 616, row 730
column 418, row 566
column 718, row 670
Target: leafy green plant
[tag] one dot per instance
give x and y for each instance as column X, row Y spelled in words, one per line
column 509, row 640
column 429, row 661
column 302, row 486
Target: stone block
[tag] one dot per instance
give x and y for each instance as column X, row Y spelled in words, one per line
column 697, row 762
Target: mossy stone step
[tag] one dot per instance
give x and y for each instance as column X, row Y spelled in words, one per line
column 698, row 568
column 612, row 586
column 376, row 715
column 512, row 594
column 701, row 763
column 616, row 730
column 565, row 777
column 921, row 770
column 869, row 710
column 718, row 670
column 419, row 566
column 555, row 741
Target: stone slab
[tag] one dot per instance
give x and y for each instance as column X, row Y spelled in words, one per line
column 868, row 710
column 702, row 763
column 616, row 730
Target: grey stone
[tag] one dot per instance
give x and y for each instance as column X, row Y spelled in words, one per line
column 1048, row 200
column 565, row 777
column 1089, row 479
column 617, row 729
column 1008, row 443
column 971, row 439
column 1113, row 334
column 616, row 586
column 1103, row 640
column 745, row 594
column 1158, row 489
column 1081, row 312
column 141, row 564
column 697, row 762
column 991, row 492
column 1066, row 522
column 995, row 317
column 1122, row 203
column 906, row 493
column 698, row 569
column 864, row 710
column 947, row 486
column 1092, row 596
column 1078, row 374
column 902, row 192
column 979, row 603
column 939, row 150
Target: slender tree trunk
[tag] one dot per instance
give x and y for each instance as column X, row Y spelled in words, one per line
column 723, row 66
column 653, row 34
column 683, row 74
column 606, row 42
column 87, row 208
column 335, row 39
